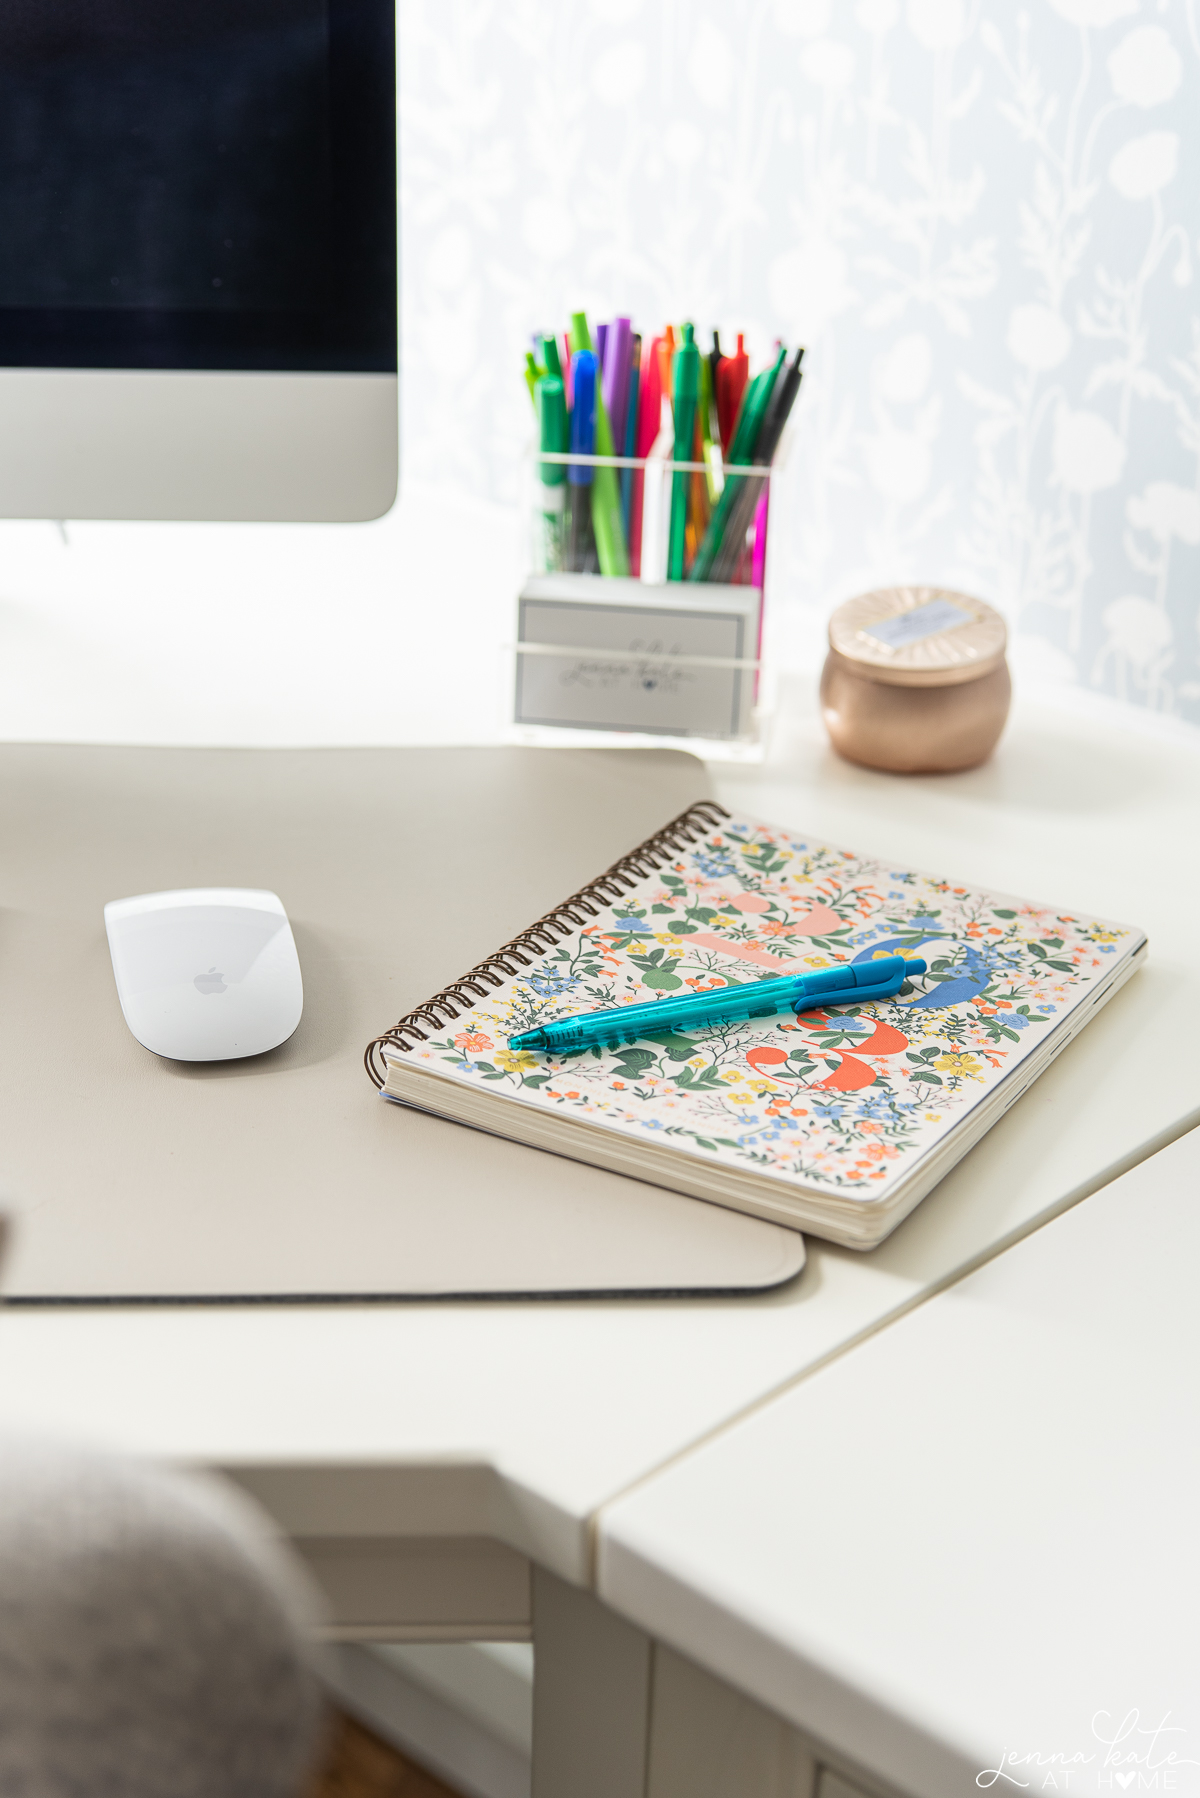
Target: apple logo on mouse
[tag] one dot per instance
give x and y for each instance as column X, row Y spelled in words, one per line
column 212, row 982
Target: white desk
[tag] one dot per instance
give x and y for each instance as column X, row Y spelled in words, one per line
column 974, row 1533
column 377, row 1436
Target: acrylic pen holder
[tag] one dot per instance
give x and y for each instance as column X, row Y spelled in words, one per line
column 601, row 660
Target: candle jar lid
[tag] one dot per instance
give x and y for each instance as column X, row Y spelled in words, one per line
column 918, row 636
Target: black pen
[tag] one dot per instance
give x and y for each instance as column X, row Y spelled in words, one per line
column 779, row 406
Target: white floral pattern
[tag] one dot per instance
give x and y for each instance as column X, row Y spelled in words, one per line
column 981, row 220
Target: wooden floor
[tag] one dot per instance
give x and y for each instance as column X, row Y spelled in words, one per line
column 360, row 1765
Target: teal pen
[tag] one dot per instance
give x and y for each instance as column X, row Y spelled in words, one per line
column 843, row 985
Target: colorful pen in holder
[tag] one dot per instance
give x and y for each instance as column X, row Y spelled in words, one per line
column 611, row 550
column 686, row 393
column 550, row 547
column 651, row 409
column 581, row 546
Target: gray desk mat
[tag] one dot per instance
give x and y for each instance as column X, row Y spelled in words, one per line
column 284, row 1176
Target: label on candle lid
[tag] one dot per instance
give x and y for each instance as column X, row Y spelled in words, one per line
column 918, row 636
column 924, row 621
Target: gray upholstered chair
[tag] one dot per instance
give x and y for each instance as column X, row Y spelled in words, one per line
column 154, row 1639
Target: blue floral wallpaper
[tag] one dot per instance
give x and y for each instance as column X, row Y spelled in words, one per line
column 981, row 218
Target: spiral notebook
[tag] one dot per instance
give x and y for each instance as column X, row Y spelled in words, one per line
column 835, row 1121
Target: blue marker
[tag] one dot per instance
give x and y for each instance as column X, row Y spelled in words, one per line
column 581, row 536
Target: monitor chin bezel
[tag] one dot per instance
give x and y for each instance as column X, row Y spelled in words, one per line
column 259, row 447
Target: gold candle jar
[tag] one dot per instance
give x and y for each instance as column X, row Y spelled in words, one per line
column 915, row 681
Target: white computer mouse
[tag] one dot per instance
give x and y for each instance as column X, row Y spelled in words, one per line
column 206, row 973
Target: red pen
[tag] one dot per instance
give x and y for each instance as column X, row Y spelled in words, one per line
column 732, row 376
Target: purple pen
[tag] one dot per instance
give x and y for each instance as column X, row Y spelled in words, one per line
column 615, row 382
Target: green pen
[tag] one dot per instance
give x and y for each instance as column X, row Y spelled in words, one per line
column 533, row 373
column 550, row 356
column 750, row 418
column 687, row 393
column 611, row 550
column 550, row 399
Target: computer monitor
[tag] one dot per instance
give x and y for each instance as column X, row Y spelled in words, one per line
column 197, row 259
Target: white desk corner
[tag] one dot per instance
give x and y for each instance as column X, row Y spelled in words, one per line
column 972, row 1537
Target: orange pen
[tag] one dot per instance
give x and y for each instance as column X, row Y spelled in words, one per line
column 667, row 345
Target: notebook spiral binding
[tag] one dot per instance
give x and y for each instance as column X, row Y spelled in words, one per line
column 462, row 993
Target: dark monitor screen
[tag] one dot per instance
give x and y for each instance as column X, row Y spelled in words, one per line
column 198, row 184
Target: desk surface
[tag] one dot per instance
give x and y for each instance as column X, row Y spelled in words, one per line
column 521, row 1421
column 285, row 1175
column 974, row 1534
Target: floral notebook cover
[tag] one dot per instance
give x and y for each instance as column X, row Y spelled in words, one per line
column 842, row 1103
